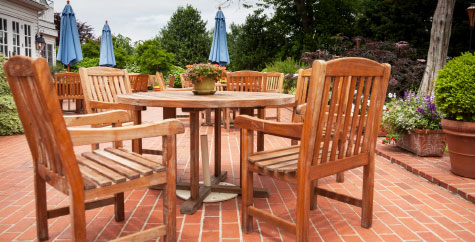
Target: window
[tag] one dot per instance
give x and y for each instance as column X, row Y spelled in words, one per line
column 16, row 38
column 27, row 29
column 49, row 53
column 3, row 37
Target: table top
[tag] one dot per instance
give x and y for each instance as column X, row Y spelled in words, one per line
column 221, row 99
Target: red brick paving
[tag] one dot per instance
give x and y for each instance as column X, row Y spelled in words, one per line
column 406, row 207
column 434, row 169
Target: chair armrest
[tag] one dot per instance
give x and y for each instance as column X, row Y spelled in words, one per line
column 116, row 116
column 301, row 109
column 287, row 130
column 86, row 136
column 105, row 105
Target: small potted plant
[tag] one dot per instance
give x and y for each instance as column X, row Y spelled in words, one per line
column 455, row 98
column 204, row 76
column 413, row 123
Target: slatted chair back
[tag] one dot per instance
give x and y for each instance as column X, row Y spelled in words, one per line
column 160, row 81
column 246, row 81
column 152, row 80
column 139, row 82
column 185, row 82
column 275, row 82
column 103, row 84
column 301, row 93
column 68, row 85
column 42, row 119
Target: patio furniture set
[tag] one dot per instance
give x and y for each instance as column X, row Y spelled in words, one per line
column 337, row 111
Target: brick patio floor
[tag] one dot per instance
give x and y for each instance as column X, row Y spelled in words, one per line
column 407, row 207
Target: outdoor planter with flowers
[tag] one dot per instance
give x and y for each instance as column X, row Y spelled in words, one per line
column 455, row 98
column 204, row 76
column 413, row 123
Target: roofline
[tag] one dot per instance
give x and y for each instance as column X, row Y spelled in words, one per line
column 32, row 4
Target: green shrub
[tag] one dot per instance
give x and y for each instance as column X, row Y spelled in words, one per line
column 289, row 67
column 175, row 70
column 455, row 88
column 9, row 120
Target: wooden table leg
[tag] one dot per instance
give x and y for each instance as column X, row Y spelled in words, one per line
column 260, row 136
column 217, row 142
column 194, row 153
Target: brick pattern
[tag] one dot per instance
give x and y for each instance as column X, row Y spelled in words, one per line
column 434, row 169
column 406, row 206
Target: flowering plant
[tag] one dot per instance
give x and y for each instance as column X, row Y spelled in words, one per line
column 400, row 116
column 197, row 72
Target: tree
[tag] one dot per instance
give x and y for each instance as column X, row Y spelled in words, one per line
column 84, row 30
column 253, row 44
column 91, row 48
column 439, row 44
column 125, row 43
column 151, row 57
column 185, row 35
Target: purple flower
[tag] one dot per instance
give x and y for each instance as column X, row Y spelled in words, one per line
column 421, row 110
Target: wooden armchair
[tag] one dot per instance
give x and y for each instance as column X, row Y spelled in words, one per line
column 333, row 140
column 139, row 82
column 274, row 83
column 101, row 85
column 185, row 83
column 68, row 86
column 84, row 177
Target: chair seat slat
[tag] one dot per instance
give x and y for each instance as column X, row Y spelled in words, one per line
column 130, row 164
column 136, row 158
column 130, row 174
column 98, row 167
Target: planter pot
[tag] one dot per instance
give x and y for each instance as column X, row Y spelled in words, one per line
column 461, row 140
column 204, row 87
column 423, row 142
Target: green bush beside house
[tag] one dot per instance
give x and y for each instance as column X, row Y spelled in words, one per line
column 9, row 120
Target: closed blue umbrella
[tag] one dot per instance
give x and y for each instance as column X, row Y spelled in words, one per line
column 219, row 49
column 69, row 52
column 107, row 57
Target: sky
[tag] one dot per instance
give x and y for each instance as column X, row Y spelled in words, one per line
column 143, row 19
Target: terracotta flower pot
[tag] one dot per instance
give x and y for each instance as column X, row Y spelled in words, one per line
column 461, row 139
column 423, row 142
column 204, row 87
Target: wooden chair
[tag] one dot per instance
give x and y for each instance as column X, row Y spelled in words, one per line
column 139, row 82
column 163, row 87
column 185, row 83
column 68, row 87
column 101, row 85
column 274, row 83
column 333, row 140
column 84, row 177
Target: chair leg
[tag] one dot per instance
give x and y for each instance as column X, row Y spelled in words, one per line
column 278, row 114
column 119, row 213
column 41, row 208
column 169, row 200
column 303, row 210
column 313, row 195
column 247, row 182
column 367, row 197
column 78, row 218
column 340, row 177
column 227, row 119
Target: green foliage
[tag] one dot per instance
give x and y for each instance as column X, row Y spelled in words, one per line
column 9, row 121
column 91, row 49
column 123, row 51
column 253, row 43
column 198, row 72
column 151, row 57
column 411, row 112
column 86, row 62
column 455, row 88
column 289, row 67
column 122, row 42
column 185, row 35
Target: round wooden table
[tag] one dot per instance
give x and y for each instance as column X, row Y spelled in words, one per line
column 171, row 100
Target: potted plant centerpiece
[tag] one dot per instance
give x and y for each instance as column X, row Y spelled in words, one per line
column 204, row 76
column 413, row 123
column 455, row 99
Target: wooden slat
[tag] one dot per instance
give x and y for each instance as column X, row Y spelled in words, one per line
column 125, row 162
column 275, row 154
column 136, row 158
column 130, row 174
column 98, row 167
column 95, row 176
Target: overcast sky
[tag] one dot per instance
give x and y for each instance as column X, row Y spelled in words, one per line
column 143, row 19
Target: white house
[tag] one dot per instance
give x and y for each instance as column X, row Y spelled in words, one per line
column 27, row 28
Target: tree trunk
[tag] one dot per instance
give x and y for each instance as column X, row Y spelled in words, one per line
column 439, row 44
column 303, row 11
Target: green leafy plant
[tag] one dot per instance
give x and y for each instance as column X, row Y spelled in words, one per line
column 9, row 120
column 175, row 70
column 400, row 116
column 455, row 89
column 198, row 72
column 289, row 67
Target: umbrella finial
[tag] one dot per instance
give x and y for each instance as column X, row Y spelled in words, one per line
column 219, row 8
column 106, row 22
column 67, row 2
